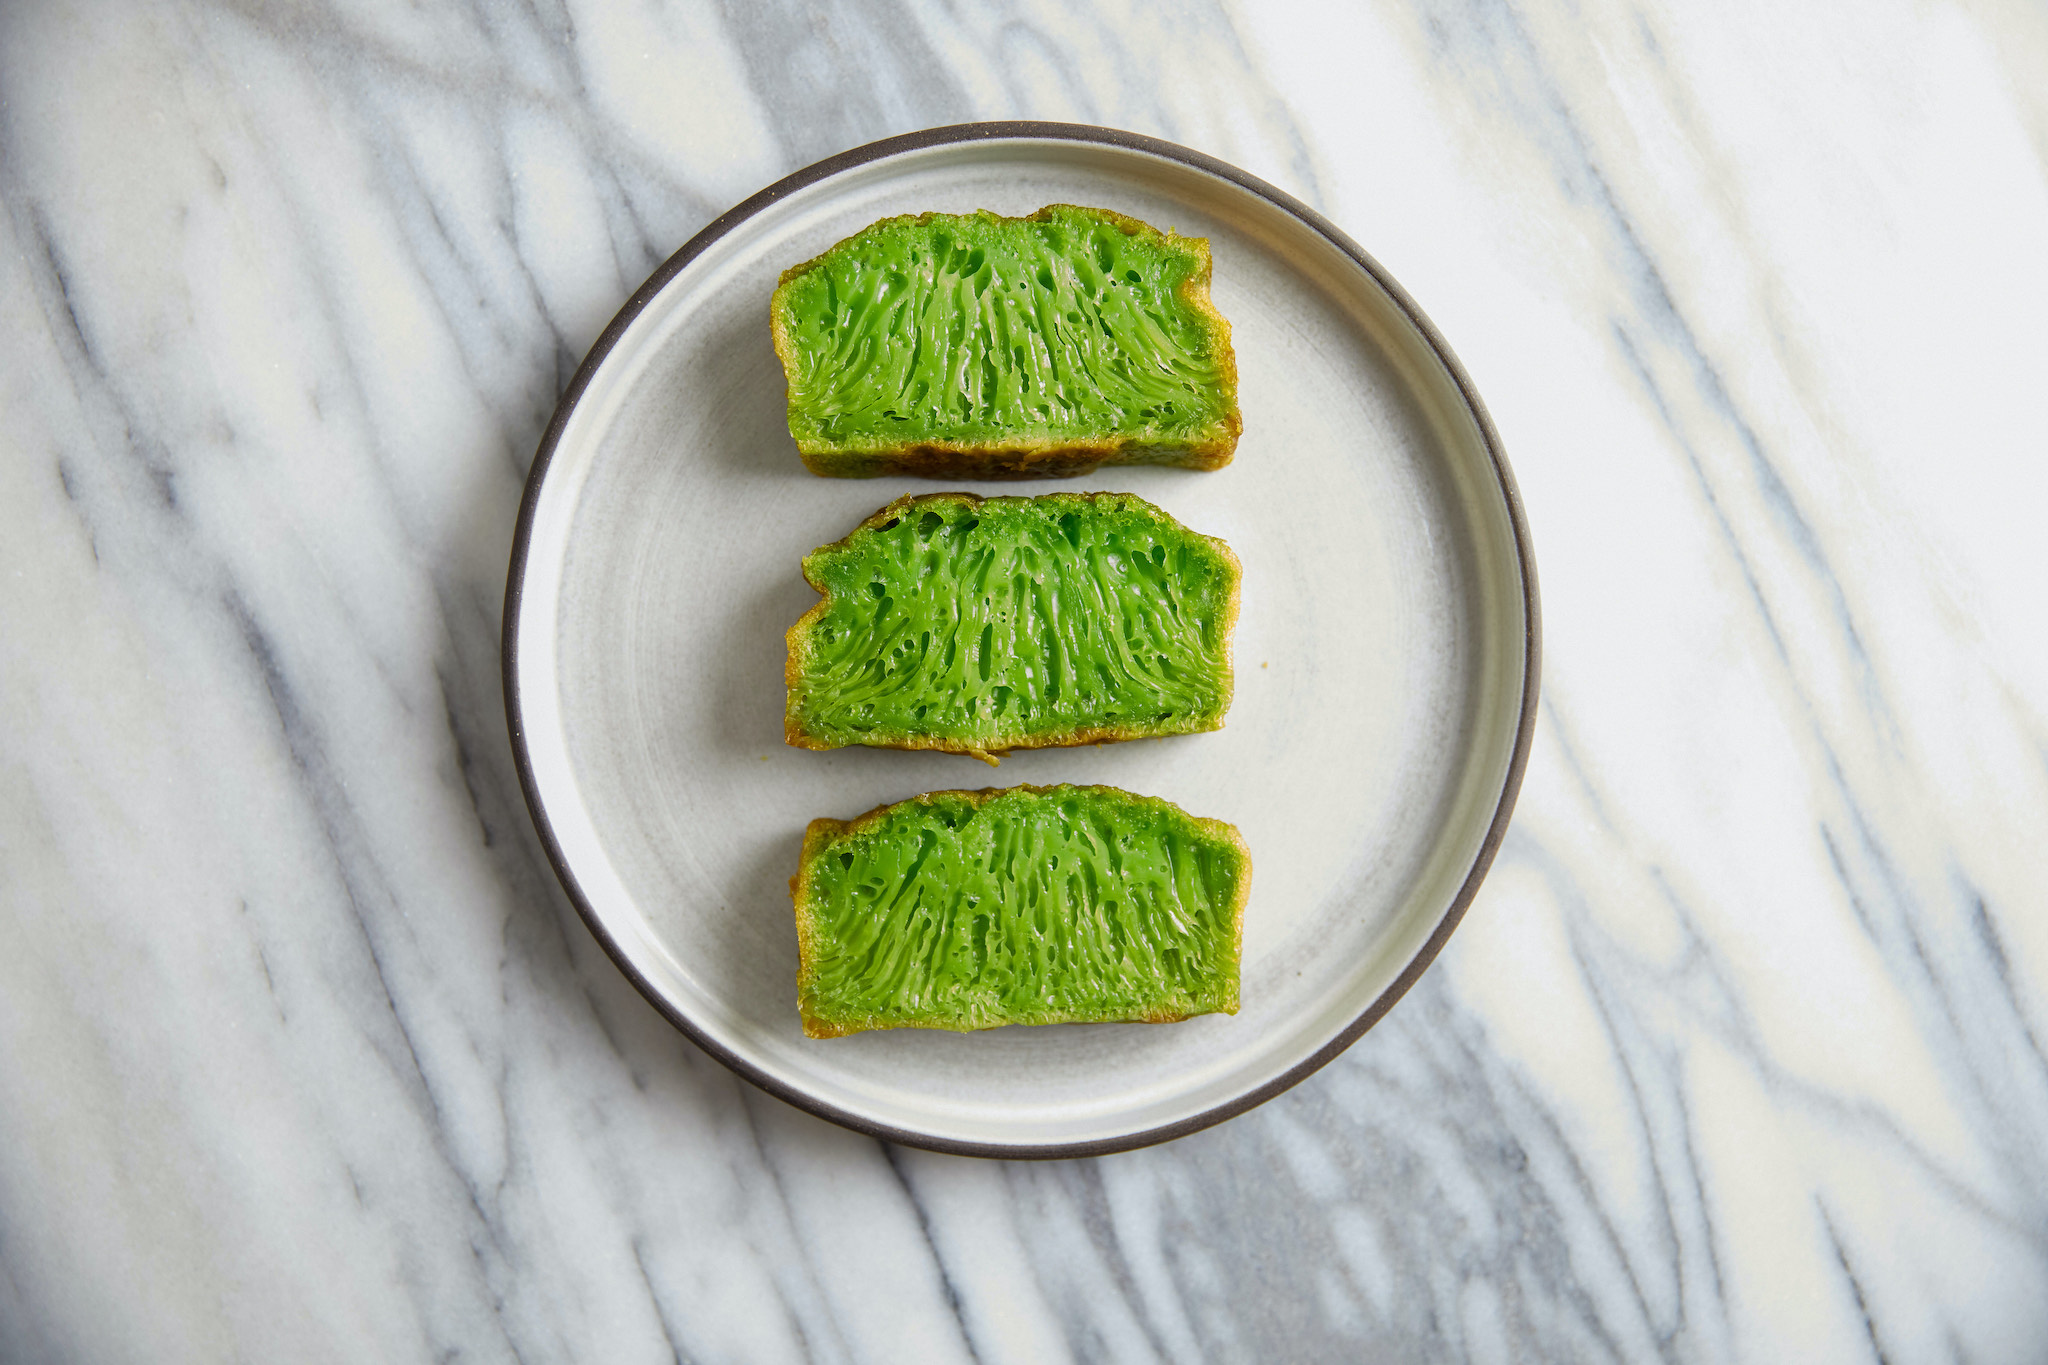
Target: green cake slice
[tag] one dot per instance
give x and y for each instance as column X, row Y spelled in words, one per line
column 980, row 625
column 1032, row 905
column 976, row 346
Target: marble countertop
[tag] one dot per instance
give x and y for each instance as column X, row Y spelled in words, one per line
column 1741, row 1054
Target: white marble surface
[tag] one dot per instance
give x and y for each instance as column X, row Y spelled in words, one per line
column 1739, row 1056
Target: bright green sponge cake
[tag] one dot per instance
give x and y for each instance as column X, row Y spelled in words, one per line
column 980, row 625
column 978, row 346
column 1032, row 905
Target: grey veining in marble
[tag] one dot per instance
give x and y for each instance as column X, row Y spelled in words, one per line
column 1742, row 1053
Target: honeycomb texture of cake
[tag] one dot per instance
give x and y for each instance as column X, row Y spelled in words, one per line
column 1028, row 905
column 978, row 346
column 981, row 625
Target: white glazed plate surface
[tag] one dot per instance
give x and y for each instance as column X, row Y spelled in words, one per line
column 1384, row 654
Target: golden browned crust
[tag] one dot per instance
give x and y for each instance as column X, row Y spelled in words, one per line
column 816, row 835
column 1026, row 457
column 823, row 831
column 798, row 640
column 1016, row 458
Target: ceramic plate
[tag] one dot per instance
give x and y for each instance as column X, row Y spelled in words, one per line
column 1386, row 653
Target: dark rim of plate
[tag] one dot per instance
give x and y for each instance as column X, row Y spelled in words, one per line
column 1047, row 132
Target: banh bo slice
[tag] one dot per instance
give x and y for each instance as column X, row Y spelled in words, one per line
column 1032, row 905
column 979, row 346
column 979, row 625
